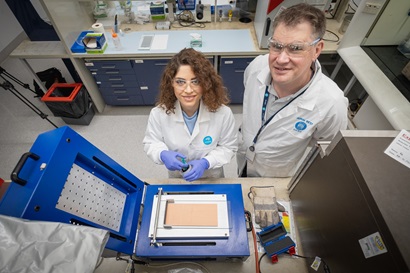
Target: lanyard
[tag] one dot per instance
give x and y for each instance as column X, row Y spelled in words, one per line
column 265, row 102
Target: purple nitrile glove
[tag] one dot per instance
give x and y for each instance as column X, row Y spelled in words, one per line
column 197, row 169
column 172, row 160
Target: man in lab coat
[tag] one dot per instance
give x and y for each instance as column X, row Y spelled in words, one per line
column 288, row 102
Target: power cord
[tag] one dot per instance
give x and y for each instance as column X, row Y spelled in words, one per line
column 187, row 19
column 186, row 16
column 131, row 262
column 248, row 219
column 326, row 268
column 337, row 39
column 259, row 262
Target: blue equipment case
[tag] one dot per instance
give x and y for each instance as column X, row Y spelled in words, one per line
column 64, row 178
column 274, row 240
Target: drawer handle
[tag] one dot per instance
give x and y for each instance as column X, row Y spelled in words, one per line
column 109, row 66
column 114, row 79
column 161, row 64
column 239, row 70
column 144, row 87
column 120, row 91
column 112, row 72
column 117, row 85
column 124, row 99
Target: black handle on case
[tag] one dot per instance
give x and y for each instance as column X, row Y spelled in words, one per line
column 15, row 174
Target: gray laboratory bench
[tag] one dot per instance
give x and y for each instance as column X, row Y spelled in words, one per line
column 391, row 61
column 285, row 264
column 230, row 45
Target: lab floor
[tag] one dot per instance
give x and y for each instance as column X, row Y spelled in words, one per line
column 118, row 132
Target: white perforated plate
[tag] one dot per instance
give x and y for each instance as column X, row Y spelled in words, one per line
column 88, row 197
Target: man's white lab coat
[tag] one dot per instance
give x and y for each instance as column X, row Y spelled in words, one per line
column 318, row 114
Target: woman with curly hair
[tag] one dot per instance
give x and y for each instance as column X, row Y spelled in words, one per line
column 191, row 128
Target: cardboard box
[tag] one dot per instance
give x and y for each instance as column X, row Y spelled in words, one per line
column 95, row 42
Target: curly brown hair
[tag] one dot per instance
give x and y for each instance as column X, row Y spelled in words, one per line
column 214, row 93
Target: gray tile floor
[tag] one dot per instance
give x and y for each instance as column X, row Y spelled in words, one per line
column 118, row 132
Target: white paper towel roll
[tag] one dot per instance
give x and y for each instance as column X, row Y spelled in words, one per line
column 98, row 28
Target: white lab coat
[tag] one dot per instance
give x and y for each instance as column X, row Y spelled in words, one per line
column 322, row 109
column 214, row 137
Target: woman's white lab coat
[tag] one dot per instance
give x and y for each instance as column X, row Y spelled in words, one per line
column 214, row 137
column 318, row 114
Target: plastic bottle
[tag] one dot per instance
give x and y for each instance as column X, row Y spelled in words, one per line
column 116, row 41
column 186, row 169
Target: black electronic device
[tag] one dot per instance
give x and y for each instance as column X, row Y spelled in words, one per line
column 199, row 11
column 202, row 13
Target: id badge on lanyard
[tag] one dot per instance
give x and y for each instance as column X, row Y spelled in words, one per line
column 250, row 152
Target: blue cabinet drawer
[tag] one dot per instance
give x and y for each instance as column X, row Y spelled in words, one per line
column 115, row 78
column 95, row 71
column 231, row 71
column 130, row 91
column 115, row 84
column 110, row 64
column 123, row 100
column 149, row 96
column 149, row 72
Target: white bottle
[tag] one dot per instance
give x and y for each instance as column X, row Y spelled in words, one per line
column 116, row 41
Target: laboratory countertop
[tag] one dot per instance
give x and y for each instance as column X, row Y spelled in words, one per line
column 392, row 103
column 285, row 264
column 219, row 38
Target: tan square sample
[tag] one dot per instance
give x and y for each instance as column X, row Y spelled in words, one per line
column 191, row 215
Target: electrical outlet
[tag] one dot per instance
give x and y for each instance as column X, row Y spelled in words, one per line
column 372, row 8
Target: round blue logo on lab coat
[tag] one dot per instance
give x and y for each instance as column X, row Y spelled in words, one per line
column 300, row 126
column 207, row 140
